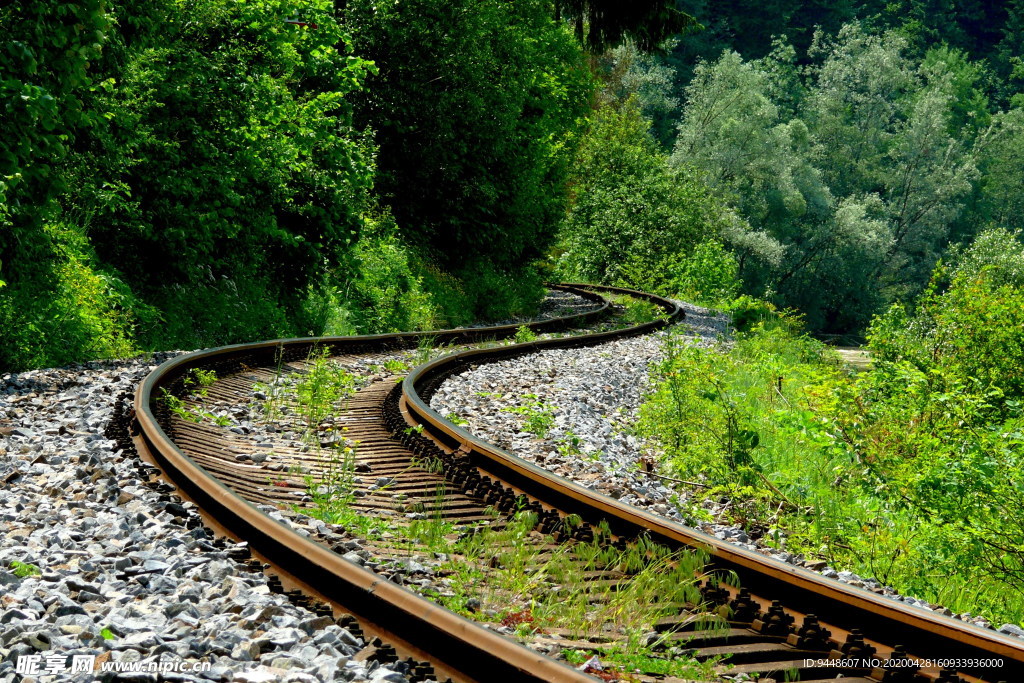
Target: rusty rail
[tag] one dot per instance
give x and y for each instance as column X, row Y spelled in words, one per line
column 464, row 649
column 454, row 645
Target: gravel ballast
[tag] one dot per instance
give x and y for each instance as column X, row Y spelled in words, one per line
column 125, row 572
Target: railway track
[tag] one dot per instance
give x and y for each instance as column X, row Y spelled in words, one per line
column 772, row 620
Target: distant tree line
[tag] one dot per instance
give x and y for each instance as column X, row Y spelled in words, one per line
column 837, row 167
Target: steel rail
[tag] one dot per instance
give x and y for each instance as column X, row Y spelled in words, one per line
column 414, row 625
column 921, row 632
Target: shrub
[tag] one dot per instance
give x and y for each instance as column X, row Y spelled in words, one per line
column 970, row 322
column 633, row 221
column 68, row 308
column 914, row 463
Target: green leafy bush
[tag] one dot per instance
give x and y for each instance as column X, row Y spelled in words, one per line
column 67, row 307
column 227, row 142
column 195, row 159
column 713, row 414
column 970, row 322
column 746, row 312
column 908, row 472
column 709, row 274
column 384, row 292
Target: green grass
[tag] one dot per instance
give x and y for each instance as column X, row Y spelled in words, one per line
column 24, row 569
column 846, row 468
column 323, row 390
column 515, row 576
column 524, row 335
column 636, row 311
column 193, row 406
column 538, row 416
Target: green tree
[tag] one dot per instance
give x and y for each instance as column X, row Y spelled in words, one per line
column 228, row 142
column 212, row 131
column 853, row 176
column 601, row 24
column 44, row 75
column 626, row 71
column 970, row 322
column 634, row 221
column 897, row 141
column 475, row 123
column 1001, row 194
column 51, row 295
column 940, row 417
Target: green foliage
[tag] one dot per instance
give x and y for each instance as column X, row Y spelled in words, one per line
column 384, row 291
column 192, row 407
column 1001, row 193
column 44, row 76
column 538, row 416
column 706, row 412
column 984, row 31
column 320, row 390
column 750, row 27
column 748, row 313
column 524, row 335
column 708, row 274
column 604, row 23
column 331, row 495
column 265, row 187
column 475, row 122
column 635, row 311
column 495, row 292
column 626, row 71
column 67, row 307
column 970, row 323
column 54, row 303
column 938, row 423
column 852, row 172
column 913, row 463
column 198, row 160
column 389, row 286
column 633, row 221
column 24, row 569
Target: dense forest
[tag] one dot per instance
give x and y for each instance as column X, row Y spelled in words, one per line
column 178, row 174
column 184, row 173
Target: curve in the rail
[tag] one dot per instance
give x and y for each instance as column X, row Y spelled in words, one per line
column 405, row 618
column 800, row 589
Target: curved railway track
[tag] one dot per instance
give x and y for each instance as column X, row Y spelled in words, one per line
column 784, row 619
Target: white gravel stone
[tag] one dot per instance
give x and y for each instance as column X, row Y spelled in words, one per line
column 110, row 567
